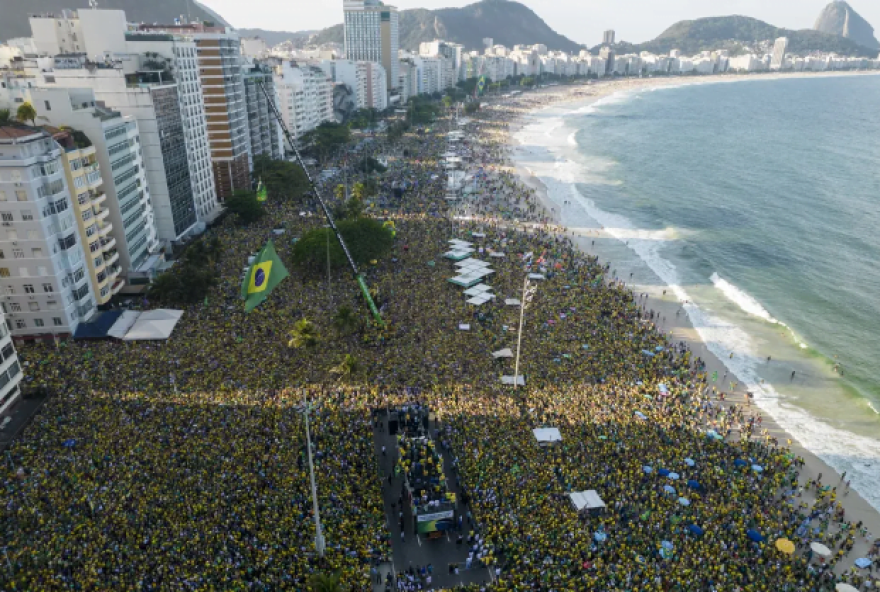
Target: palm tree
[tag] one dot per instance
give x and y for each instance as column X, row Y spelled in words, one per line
column 325, row 583
column 359, row 191
column 347, row 367
column 26, row 112
column 339, row 192
column 345, row 320
column 303, row 334
column 5, row 117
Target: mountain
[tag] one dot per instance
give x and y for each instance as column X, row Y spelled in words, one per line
column 735, row 33
column 508, row 23
column 14, row 13
column 838, row 18
column 273, row 38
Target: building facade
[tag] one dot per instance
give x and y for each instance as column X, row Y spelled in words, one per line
column 263, row 126
column 305, row 97
column 44, row 284
column 372, row 34
column 10, row 369
column 779, row 48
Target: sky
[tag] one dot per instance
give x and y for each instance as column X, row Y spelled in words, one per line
column 582, row 21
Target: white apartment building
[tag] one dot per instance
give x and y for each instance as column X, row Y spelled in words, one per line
column 264, row 129
column 254, row 47
column 365, row 79
column 408, row 83
column 305, row 97
column 125, row 193
column 10, row 369
column 779, row 48
column 176, row 54
column 429, row 74
column 44, row 285
column 92, row 32
column 453, row 52
column 372, row 35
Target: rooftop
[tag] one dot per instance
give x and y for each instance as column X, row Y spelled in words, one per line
column 18, row 132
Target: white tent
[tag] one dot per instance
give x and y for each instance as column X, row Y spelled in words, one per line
column 154, row 325
column 536, row 276
column 820, row 549
column 547, row 435
column 521, row 381
column 478, row 290
column 512, row 302
column 845, row 588
column 503, row 353
column 586, row 500
column 123, row 324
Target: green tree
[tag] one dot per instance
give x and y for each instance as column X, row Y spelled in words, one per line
column 339, row 192
column 472, row 107
column 447, row 101
column 346, row 368
column 5, row 117
column 326, row 138
column 325, row 583
column 26, row 112
column 358, row 191
column 303, row 334
column 366, row 238
column 283, row 180
column 244, row 204
column 192, row 278
column 345, row 320
column 354, row 208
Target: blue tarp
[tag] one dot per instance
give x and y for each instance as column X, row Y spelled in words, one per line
column 663, row 472
column 689, row 462
column 695, row 529
column 98, row 327
column 754, row 535
column 739, row 463
column 693, row 484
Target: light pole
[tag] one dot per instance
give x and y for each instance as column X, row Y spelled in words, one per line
column 319, row 535
column 329, row 289
column 527, row 296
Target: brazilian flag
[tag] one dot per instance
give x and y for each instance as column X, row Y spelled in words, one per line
column 481, row 85
column 262, row 194
column 266, row 272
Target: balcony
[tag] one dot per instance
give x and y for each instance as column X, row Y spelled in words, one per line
column 117, row 286
column 105, row 229
column 108, row 243
column 111, row 257
column 101, row 213
column 98, row 198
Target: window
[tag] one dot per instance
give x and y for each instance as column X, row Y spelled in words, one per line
column 10, row 290
column 29, row 289
column 38, row 322
column 34, row 306
column 57, row 321
column 42, row 271
column 2, row 254
column 20, row 324
column 4, row 272
column 36, row 252
column 91, row 230
column 48, row 288
column 87, row 215
column 2, row 195
column 18, row 253
column 48, row 105
column 20, row 195
column 15, row 307
column 32, row 235
column 27, row 215
column 6, row 216
column 51, row 304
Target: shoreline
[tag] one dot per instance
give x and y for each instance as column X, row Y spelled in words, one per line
column 662, row 300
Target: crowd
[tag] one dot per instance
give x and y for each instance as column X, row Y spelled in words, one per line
column 181, row 464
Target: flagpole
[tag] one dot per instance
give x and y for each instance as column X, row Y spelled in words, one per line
column 319, row 535
column 329, row 289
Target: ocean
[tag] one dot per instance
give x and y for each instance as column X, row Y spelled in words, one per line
column 758, row 202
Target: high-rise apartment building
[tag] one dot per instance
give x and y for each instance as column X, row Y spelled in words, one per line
column 305, row 97
column 778, row 60
column 608, row 37
column 44, row 285
column 10, row 369
column 263, row 127
column 372, row 35
column 178, row 54
column 92, row 214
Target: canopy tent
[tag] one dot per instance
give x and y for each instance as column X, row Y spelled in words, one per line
column 465, row 281
column 480, row 300
column 512, row 302
column 521, row 381
column 536, row 276
column 547, row 435
column 497, row 254
column 123, row 324
column 586, row 500
column 503, row 353
column 154, row 325
column 98, row 327
column 457, row 254
column 845, row 588
column 478, row 290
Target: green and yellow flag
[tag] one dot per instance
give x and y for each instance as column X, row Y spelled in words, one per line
column 266, row 272
column 262, row 193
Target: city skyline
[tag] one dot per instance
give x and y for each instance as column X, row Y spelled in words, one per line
column 578, row 21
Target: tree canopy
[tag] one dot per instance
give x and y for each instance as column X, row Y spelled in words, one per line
column 283, row 180
column 245, row 206
column 26, row 112
column 322, row 141
column 367, row 239
column 188, row 282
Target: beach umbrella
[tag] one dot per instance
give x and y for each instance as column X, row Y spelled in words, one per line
column 600, row 536
column 863, row 562
column 663, row 472
column 647, row 353
column 658, row 348
column 673, row 476
column 667, row 545
column 69, row 443
column 695, row 529
column 689, row 462
column 641, row 415
column 820, row 549
column 785, row 546
column 845, row 588
column 757, row 468
column 754, row 535
column 684, row 501
column 711, row 434
column 647, row 469
column 694, row 484
column 739, row 463
column 669, row 489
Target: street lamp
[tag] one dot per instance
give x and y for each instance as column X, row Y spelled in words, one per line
column 319, row 536
column 527, row 297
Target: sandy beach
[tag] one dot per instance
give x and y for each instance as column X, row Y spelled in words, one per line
column 671, row 314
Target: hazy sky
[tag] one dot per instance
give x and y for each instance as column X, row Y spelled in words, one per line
column 581, row 20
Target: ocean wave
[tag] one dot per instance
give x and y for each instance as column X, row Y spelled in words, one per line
column 843, row 450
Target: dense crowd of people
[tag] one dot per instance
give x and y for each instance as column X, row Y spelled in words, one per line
column 182, row 464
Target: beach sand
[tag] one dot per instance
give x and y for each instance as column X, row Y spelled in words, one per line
column 679, row 327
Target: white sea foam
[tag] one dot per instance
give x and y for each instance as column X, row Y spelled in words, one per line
column 742, row 299
column 845, row 451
